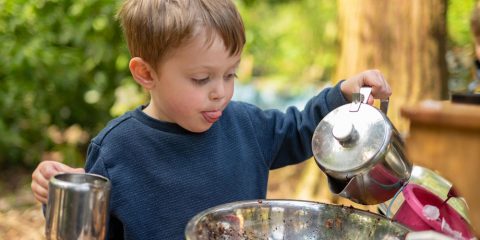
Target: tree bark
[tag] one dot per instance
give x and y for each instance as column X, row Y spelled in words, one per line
column 405, row 40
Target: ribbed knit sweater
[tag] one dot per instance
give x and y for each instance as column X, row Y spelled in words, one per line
column 162, row 175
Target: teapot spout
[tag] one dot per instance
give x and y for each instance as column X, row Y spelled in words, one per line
column 352, row 189
column 337, row 186
column 363, row 189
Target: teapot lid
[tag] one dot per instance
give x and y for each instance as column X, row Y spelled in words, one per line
column 347, row 141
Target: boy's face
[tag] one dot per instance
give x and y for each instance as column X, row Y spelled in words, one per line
column 194, row 85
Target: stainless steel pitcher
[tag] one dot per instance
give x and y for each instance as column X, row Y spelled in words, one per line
column 77, row 206
column 361, row 152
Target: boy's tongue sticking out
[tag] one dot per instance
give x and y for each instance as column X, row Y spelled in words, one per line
column 212, row 116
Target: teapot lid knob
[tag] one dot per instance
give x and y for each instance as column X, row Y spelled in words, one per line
column 343, row 130
column 346, row 141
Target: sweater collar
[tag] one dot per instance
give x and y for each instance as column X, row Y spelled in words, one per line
column 157, row 124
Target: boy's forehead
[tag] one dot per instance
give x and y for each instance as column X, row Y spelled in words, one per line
column 202, row 49
column 204, row 38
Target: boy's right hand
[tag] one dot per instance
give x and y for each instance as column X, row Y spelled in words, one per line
column 42, row 174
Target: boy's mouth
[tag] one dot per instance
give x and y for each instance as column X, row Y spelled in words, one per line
column 212, row 116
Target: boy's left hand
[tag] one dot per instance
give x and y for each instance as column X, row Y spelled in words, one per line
column 370, row 78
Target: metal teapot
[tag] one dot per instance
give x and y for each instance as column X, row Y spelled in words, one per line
column 361, row 152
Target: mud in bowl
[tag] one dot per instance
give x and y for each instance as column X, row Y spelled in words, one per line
column 290, row 219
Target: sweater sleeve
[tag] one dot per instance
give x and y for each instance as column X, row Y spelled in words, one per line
column 96, row 165
column 285, row 137
column 94, row 162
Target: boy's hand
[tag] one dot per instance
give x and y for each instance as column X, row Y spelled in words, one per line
column 42, row 174
column 371, row 78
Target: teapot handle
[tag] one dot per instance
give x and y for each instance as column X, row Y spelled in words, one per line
column 384, row 105
column 362, row 97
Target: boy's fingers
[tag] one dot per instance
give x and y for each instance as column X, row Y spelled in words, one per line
column 42, row 174
column 39, row 178
column 41, row 199
column 370, row 100
column 64, row 168
column 382, row 84
column 47, row 170
column 39, row 192
column 380, row 87
column 79, row 170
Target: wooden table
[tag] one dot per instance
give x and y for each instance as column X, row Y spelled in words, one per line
column 445, row 137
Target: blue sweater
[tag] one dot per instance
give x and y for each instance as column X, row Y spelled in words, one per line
column 162, row 175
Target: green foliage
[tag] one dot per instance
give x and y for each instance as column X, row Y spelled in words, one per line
column 458, row 22
column 290, row 41
column 460, row 44
column 60, row 64
column 63, row 65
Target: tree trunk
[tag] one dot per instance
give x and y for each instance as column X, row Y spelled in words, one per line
column 405, row 40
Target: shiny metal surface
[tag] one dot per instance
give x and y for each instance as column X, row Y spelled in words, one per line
column 77, row 206
column 434, row 183
column 345, row 159
column 290, row 219
column 369, row 166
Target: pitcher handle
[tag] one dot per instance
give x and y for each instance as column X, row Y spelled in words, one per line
column 362, row 97
column 384, row 105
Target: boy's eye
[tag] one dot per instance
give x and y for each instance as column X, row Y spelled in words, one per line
column 231, row 76
column 200, row 81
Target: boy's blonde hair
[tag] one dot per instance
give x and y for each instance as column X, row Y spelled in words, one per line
column 155, row 27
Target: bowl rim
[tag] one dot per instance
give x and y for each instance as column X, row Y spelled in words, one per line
column 255, row 202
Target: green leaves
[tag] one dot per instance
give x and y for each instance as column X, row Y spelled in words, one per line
column 64, row 63
column 58, row 67
column 290, row 41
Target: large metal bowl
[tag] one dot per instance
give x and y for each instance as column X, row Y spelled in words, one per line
column 290, row 219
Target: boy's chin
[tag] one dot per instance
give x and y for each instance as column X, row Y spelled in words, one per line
column 199, row 129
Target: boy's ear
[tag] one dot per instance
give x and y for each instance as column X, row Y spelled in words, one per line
column 142, row 73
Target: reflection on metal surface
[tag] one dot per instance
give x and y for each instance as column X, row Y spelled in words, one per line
column 433, row 182
column 373, row 134
column 77, row 206
column 362, row 154
column 290, row 219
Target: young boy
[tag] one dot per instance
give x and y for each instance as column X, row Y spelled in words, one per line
column 191, row 148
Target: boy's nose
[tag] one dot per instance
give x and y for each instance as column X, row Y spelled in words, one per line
column 218, row 92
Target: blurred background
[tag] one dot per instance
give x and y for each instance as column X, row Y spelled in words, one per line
column 64, row 74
